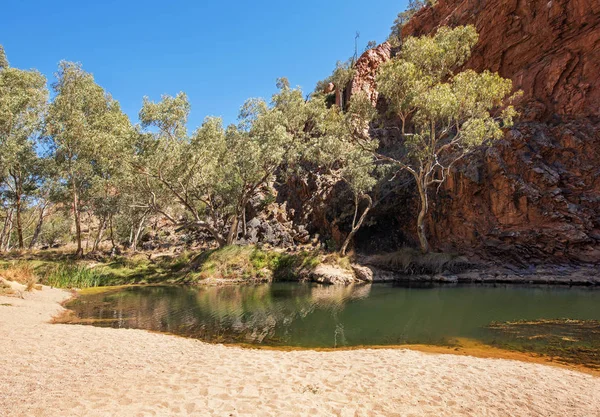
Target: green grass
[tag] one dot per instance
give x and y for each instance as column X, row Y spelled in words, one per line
column 245, row 263
column 291, row 267
column 74, row 276
column 252, row 263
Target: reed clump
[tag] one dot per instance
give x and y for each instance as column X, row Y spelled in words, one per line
column 74, row 276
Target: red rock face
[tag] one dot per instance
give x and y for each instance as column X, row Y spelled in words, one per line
column 549, row 48
column 366, row 69
column 534, row 196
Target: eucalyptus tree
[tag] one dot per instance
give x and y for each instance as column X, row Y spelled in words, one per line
column 336, row 149
column 87, row 128
column 214, row 173
column 444, row 113
column 175, row 167
column 23, row 100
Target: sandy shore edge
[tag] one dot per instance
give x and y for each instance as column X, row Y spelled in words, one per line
column 55, row 370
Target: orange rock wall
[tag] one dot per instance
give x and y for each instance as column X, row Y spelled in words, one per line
column 534, row 196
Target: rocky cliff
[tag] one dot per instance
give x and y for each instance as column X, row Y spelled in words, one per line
column 534, row 196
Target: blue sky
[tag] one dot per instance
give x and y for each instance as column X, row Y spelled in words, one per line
column 220, row 53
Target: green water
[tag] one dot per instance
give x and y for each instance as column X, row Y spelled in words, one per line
column 306, row 315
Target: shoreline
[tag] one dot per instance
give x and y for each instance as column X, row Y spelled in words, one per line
column 54, row 370
column 465, row 347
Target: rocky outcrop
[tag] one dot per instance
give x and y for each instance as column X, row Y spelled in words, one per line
column 534, row 196
column 336, row 275
column 366, row 69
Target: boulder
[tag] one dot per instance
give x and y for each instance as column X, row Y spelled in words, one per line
column 333, row 275
column 362, row 273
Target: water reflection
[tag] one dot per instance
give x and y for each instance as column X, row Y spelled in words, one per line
column 245, row 314
column 330, row 316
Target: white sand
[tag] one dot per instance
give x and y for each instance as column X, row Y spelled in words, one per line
column 66, row 370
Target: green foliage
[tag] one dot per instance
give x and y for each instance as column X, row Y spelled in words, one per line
column 215, row 172
column 341, row 76
column 169, row 115
column 91, row 137
column 370, row 45
column 445, row 114
column 253, row 263
column 23, row 97
column 74, row 276
column 56, row 229
column 234, row 262
column 446, row 110
column 3, row 59
column 289, row 267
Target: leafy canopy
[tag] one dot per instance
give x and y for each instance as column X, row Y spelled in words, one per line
column 445, row 113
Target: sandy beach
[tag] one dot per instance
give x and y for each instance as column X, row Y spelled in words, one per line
column 67, row 370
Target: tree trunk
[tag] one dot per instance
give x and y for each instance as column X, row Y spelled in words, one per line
column 99, row 235
column 5, row 229
column 138, row 232
column 356, row 224
column 244, row 224
column 9, row 233
column 112, row 232
column 18, row 203
column 89, row 231
column 38, row 227
column 422, row 217
column 130, row 240
column 233, row 232
column 77, row 217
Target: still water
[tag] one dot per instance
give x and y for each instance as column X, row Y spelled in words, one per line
column 307, row 315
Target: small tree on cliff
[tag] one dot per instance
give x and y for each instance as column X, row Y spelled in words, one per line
column 403, row 17
column 444, row 114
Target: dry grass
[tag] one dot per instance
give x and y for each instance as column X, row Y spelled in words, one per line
column 335, row 259
column 5, row 288
column 411, row 261
column 22, row 273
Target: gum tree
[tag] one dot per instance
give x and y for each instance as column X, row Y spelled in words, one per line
column 86, row 126
column 444, row 113
column 214, row 174
column 335, row 147
column 23, row 97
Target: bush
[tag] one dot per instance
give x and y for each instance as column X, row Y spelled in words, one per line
column 20, row 272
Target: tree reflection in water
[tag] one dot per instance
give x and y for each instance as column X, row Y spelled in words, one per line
column 308, row 315
column 233, row 314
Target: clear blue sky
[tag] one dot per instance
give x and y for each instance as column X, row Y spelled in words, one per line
column 218, row 52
